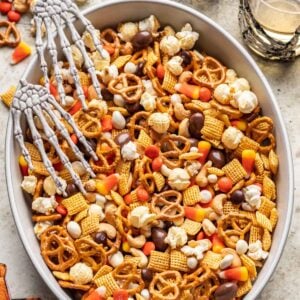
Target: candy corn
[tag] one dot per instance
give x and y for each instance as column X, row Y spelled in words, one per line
column 204, row 94
column 189, row 90
column 120, row 295
column 203, row 148
column 193, row 213
column 239, row 274
column 107, row 184
column 95, row 295
column 217, row 243
column 239, row 124
column 248, row 160
column 106, row 123
column 23, row 165
column 75, row 108
column 21, row 52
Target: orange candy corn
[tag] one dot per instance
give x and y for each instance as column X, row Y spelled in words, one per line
column 189, row 90
column 21, row 52
column 217, row 243
column 239, row 124
column 193, row 213
column 107, row 184
column 120, row 295
column 203, row 148
column 239, row 274
column 248, row 160
column 95, row 295
column 106, row 123
column 23, row 165
column 75, row 108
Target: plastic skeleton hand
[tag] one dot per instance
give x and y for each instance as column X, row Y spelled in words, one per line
column 59, row 13
column 35, row 100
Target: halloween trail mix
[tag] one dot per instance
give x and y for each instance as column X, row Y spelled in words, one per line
column 183, row 205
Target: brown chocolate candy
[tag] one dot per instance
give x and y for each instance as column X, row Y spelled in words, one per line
column 142, row 39
column 196, row 124
column 106, row 94
column 147, row 274
column 226, row 291
column 237, row 197
column 71, row 189
column 217, row 158
column 158, row 236
column 101, row 237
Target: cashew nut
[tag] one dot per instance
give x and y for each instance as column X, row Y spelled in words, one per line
column 185, row 77
column 108, row 229
column 183, row 128
column 136, row 242
column 208, row 227
column 180, row 112
column 201, row 178
column 143, row 258
column 110, row 213
column 217, row 203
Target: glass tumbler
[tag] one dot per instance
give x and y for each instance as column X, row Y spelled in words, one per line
column 271, row 28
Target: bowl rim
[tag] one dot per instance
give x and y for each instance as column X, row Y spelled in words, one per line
column 250, row 60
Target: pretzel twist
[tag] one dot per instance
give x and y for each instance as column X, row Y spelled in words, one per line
column 211, row 74
column 11, row 37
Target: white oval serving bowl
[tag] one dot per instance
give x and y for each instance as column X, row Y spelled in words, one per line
column 216, row 42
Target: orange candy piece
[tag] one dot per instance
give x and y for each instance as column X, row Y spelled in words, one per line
column 217, row 243
column 107, row 184
column 148, row 247
column 156, row 164
column 160, row 71
column 200, row 236
column 203, row 148
column 248, row 160
column 225, row 184
column 194, row 213
column 189, row 90
column 120, row 295
column 152, row 151
column 106, row 123
column 142, row 194
column 75, row 108
column 238, row 273
column 21, row 52
column 23, row 165
column 94, row 295
column 239, row 124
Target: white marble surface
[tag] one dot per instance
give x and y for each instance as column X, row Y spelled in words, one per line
column 24, row 281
